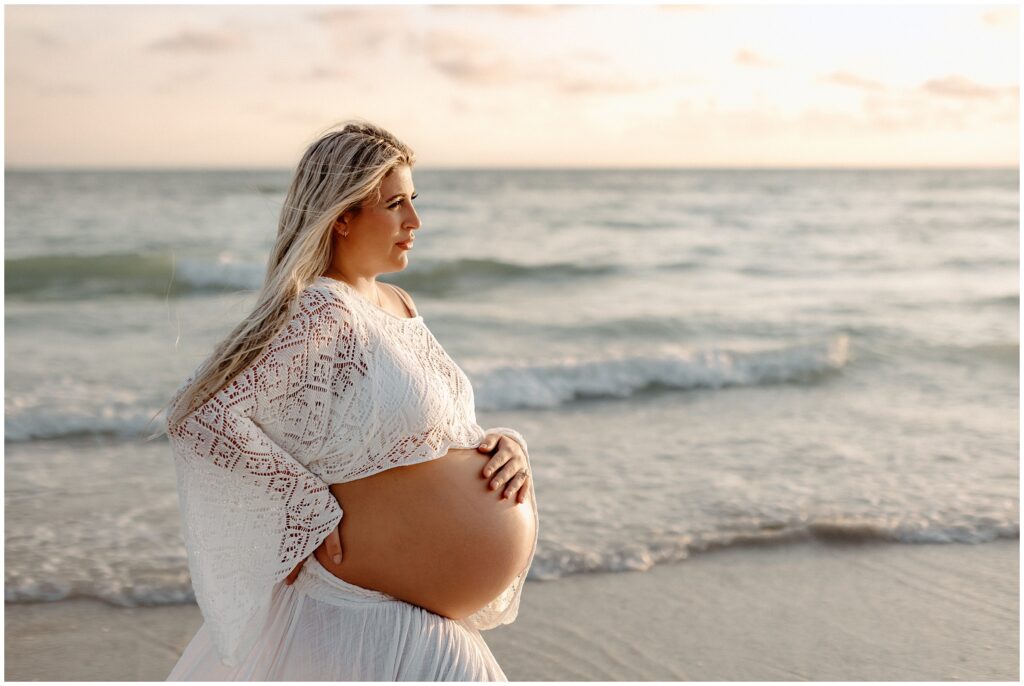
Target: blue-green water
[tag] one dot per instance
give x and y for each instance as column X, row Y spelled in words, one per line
column 698, row 358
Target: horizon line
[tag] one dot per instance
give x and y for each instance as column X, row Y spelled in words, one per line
column 1009, row 167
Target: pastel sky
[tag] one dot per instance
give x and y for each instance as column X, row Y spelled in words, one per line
column 515, row 86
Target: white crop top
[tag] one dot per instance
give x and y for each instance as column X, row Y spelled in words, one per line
column 345, row 390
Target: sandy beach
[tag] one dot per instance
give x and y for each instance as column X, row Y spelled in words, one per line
column 807, row 611
column 746, row 278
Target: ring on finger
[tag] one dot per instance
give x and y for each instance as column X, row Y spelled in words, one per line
column 520, row 477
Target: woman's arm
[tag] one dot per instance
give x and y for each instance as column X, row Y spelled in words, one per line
column 250, row 510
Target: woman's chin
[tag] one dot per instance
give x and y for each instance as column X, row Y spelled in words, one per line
column 401, row 262
column 395, row 265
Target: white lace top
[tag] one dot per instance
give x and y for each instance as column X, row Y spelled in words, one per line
column 345, row 390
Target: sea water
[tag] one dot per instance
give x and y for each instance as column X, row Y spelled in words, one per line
column 698, row 358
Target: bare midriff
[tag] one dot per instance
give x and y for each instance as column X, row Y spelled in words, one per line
column 433, row 534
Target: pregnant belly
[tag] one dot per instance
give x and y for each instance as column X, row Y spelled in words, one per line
column 433, row 534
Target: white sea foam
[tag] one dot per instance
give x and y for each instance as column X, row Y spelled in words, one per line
column 504, row 386
column 150, row 577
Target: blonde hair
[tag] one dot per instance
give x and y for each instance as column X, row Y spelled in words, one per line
column 340, row 171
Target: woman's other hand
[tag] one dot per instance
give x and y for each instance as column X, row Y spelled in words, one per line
column 331, row 545
column 511, row 461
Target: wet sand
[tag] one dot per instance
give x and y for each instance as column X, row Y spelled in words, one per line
column 807, row 611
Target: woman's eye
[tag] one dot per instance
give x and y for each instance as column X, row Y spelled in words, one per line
column 399, row 202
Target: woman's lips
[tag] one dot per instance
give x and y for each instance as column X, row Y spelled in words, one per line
column 407, row 245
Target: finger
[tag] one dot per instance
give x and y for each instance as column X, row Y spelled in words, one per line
column 524, row 491
column 503, row 476
column 513, row 485
column 333, row 542
column 508, row 458
column 489, row 442
column 500, row 459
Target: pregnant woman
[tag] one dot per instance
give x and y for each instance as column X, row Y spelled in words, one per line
column 345, row 516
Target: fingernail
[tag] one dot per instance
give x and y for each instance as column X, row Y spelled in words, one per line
column 337, row 558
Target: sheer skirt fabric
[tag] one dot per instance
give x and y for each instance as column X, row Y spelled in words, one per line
column 323, row 628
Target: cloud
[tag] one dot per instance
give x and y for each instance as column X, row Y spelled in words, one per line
column 471, row 59
column 750, row 58
column 609, row 83
column 844, row 78
column 1001, row 17
column 318, row 73
column 915, row 108
column 340, row 15
column 525, row 11
column 897, row 111
column 685, row 8
column 188, row 40
column 45, row 39
column 347, row 17
column 956, row 86
column 365, row 29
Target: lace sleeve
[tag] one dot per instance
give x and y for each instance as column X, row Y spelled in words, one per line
column 505, row 608
column 250, row 510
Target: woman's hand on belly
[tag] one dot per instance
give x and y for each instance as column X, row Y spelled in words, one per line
column 509, row 457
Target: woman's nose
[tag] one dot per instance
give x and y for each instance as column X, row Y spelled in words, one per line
column 415, row 222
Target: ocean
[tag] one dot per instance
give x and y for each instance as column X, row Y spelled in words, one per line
column 698, row 358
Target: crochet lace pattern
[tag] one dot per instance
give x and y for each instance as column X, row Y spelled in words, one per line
column 343, row 391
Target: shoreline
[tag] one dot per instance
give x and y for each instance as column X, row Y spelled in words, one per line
column 798, row 611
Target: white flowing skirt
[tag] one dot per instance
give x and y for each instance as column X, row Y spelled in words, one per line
column 322, row 628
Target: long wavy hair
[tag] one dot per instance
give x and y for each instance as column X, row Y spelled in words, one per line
column 340, row 171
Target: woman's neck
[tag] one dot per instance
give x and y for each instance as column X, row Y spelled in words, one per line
column 367, row 285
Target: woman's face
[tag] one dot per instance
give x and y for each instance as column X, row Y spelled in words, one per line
column 371, row 246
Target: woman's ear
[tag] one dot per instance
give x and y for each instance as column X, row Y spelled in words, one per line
column 341, row 224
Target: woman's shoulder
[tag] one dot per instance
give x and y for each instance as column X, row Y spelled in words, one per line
column 322, row 292
column 320, row 307
column 406, row 298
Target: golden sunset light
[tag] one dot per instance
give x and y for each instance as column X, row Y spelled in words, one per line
column 512, row 343
column 516, row 85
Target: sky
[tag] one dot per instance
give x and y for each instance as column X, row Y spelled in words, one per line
column 232, row 86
